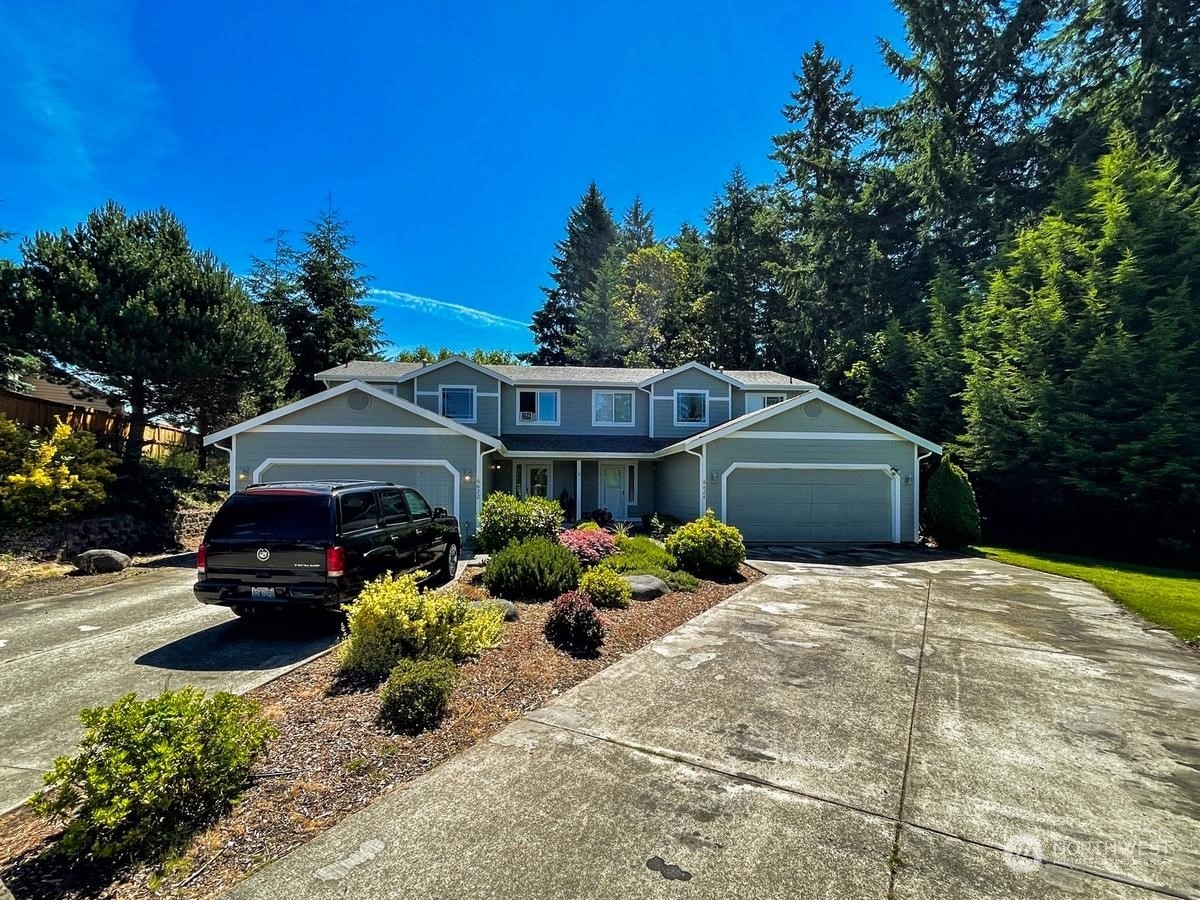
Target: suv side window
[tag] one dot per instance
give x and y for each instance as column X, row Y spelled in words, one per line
column 417, row 505
column 392, row 508
column 359, row 510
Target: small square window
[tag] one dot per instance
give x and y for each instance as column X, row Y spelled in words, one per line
column 458, row 403
column 691, row 407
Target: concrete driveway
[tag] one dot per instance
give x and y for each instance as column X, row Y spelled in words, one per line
column 143, row 634
column 863, row 726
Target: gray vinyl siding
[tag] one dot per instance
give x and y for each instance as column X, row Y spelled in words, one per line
column 574, row 415
column 677, row 486
column 816, row 416
column 426, row 388
column 645, row 486
column 403, row 390
column 739, row 397
column 723, row 453
column 719, row 407
column 337, row 411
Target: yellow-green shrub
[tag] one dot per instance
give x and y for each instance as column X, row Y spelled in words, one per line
column 393, row 619
column 708, row 547
column 604, row 587
column 61, row 476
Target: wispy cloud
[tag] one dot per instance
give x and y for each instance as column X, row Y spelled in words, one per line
column 454, row 311
column 83, row 113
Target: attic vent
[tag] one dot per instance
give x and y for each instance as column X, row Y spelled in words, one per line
column 358, row 401
column 813, row 408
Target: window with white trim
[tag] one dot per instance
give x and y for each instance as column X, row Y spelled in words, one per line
column 537, row 407
column 691, row 407
column 458, row 403
column 386, row 388
column 759, row 401
column 612, row 407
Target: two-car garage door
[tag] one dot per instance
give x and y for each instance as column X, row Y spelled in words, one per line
column 811, row 505
column 435, row 482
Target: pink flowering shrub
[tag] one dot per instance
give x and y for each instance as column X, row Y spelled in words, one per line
column 589, row 546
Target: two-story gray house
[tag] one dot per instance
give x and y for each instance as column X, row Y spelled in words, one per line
column 772, row 455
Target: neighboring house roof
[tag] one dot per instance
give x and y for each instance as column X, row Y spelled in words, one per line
column 581, row 443
column 265, row 418
column 560, row 375
column 69, row 392
column 760, row 415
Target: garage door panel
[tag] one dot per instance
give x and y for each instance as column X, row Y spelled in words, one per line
column 811, row 505
column 435, row 483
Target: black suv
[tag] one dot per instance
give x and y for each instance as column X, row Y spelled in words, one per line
column 313, row 544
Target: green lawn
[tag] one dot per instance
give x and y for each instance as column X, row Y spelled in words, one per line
column 1167, row 597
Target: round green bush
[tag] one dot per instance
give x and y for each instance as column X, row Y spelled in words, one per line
column 604, row 587
column 708, row 547
column 505, row 519
column 150, row 772
column 951, row 513
column 535, row 569
column 574, row 625
column 416, row 694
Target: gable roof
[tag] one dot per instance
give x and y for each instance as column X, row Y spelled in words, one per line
column 560, row 375
column 767, row 412
column 332, row 392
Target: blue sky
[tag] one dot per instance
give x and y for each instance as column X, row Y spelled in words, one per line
column 453, row 137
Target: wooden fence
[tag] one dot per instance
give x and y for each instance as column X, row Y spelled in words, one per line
column 111, row 430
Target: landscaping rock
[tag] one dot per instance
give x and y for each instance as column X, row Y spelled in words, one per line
column 96, row 562
column 510, row 609
column 647, row 587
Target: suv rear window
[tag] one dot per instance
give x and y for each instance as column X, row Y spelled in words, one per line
column 278, row 517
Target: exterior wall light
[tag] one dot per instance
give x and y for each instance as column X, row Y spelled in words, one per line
column 243, row 474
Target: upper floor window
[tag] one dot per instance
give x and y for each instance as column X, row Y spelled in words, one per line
column 537, row 407
column 386, row 388
column 758, row 401
column 458, row 403
column 612, row 407
column 691, row 407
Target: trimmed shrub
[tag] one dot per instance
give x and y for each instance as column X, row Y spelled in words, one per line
column 150, row 772
column 574, row 625
column 708, row 547
column 588, row 526
column 416, row 694
column 393, row 619
column 634, row 553
column 604, row 587
column 683, row 581
column 590, row 545
column 951, row 513
column 535, row 569
column 505, row 519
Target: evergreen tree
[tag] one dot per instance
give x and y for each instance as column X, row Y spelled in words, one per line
column 1133, row 64
column 16, row 354
column 424, row 354
column 649, row 291
column 596, row 340
column 590, row 233
column 637, row 228
column 1084, row 356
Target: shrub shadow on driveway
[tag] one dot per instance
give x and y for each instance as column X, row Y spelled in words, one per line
column 246, row 646
column 848, row 554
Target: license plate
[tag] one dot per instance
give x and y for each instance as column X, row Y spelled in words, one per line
column 262, row 593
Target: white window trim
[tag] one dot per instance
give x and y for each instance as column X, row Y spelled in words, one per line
column 632, row 409
column 631, row 485
column 763, row 397
column 525, row 465
column 535, row 390
column 675, row 409
column 442, row 388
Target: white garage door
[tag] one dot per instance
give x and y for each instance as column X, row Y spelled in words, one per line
column 435, row 482
column 811, row 505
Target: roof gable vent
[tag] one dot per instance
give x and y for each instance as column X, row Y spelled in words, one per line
column 813, row 408
column 358, row 401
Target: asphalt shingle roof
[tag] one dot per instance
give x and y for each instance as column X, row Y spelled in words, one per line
column 583, row 443
column 555, row 374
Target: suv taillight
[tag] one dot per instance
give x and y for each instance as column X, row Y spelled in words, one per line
column 201, row 559
column 335, row 562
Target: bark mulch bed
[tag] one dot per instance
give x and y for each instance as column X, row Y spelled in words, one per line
column 331, row 759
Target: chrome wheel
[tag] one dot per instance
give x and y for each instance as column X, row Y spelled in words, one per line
column 452, row 561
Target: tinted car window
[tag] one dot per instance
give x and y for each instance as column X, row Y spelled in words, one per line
column 391, row 506
column 417, row 505
column 280, row 517
column 359, row 510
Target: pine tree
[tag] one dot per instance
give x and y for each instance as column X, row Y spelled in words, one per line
column 590, row 233
column 596, row 340
column 637, row 228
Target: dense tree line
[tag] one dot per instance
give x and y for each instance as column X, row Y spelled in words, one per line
column 1002, row 260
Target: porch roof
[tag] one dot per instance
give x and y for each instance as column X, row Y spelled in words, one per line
column 582, row 445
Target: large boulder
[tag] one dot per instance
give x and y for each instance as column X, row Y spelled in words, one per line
column 96, row 562
column 510, row 609
column 647, row 587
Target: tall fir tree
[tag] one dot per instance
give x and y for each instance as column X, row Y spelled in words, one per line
column 597, row 341
column 590, row 233
column 637, row 228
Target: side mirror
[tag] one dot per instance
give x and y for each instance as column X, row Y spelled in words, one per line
column 439, row 511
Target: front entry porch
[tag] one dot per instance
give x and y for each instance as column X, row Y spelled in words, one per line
column 623, row 486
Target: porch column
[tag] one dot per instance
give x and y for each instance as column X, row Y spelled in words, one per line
column 578, row 489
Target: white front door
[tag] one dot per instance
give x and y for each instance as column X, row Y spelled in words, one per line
column 613, row 489
column 534, row 479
